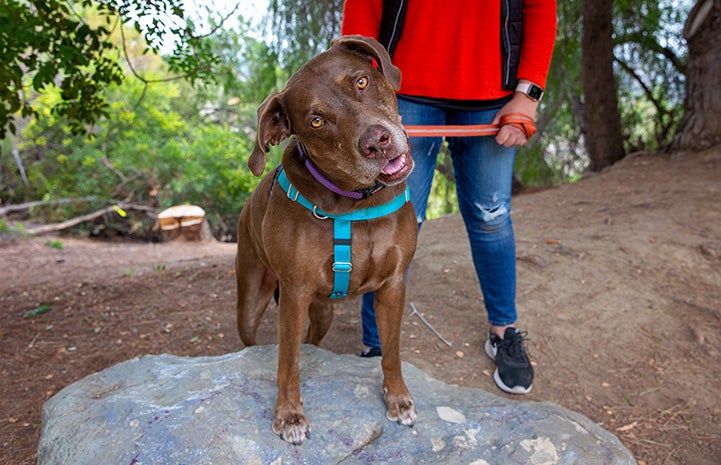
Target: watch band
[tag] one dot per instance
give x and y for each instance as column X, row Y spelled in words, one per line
column 532, row 90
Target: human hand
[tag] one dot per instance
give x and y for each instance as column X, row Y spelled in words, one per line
column 509, row 135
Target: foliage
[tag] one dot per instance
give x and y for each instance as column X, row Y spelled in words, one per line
column 43, row 308
column 247, row 71
column 54, row 244
column 214, row 176
column 48, row 42
column 158, row 141
column 146, row 154
column 248, row 68
column 556, row 154
column 303, row 28
column 44, row 39
column 442, row 199
column 651, row 56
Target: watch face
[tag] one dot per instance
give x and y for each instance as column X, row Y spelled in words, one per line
column 535, row 92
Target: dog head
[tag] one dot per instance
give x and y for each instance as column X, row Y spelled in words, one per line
column 341, row 106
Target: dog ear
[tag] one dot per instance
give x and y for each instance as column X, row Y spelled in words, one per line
column 372, row 47
column 273, row 128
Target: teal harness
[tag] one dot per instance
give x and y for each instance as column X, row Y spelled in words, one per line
column 342, row 229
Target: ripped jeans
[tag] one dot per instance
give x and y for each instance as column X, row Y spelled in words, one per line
column 483, row 173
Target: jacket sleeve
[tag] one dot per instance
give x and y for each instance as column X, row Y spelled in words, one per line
column 362, row 17
column 539, row 37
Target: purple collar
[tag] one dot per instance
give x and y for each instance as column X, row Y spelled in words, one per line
column 328, row 184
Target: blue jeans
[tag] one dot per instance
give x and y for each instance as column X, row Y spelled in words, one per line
column 483, row 173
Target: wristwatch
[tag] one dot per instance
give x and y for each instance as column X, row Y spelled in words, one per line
column 533, row 91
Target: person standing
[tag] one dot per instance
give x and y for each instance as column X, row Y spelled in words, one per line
column 468, row 62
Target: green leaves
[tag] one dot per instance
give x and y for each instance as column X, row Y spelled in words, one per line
column 47, row 41
column 44, row 308
column 53, row 42
column 303, row 28
column 148, row 151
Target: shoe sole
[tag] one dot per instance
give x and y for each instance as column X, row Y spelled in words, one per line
column 491, row 352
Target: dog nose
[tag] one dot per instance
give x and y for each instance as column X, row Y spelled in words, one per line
column 375, row 142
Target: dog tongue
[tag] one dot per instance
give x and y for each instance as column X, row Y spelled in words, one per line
column 394, row 166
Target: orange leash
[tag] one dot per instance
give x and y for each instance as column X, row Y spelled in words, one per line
column 519, row 120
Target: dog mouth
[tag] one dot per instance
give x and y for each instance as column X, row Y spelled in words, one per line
column 397, row 169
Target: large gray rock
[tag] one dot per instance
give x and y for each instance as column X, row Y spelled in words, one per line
column 218, row 410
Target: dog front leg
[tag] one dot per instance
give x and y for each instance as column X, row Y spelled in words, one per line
column 389, row 313
column 290, row 421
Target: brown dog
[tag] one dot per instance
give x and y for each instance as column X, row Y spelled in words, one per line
column 348, row 142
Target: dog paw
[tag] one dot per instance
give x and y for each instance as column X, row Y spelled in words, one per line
column 292, row 428
column 401, row 410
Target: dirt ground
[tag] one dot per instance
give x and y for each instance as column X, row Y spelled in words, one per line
column 619, row 288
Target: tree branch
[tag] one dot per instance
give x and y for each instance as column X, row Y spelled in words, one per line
column 19, row 164
column 54, row 227
column 37, row 203
column 648, row 43
column 646, row 90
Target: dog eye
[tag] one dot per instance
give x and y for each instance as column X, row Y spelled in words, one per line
column 362, row 82
column 316, row 122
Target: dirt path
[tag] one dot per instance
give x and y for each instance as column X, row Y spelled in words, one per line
column 619, row 287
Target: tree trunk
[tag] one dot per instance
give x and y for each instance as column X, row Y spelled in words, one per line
column 602, row 121
column 700, row 127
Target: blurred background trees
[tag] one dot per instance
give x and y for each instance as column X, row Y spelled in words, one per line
column 106, row 101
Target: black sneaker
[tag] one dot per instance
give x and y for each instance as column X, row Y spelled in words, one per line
column 514, row 373
column 372, row 352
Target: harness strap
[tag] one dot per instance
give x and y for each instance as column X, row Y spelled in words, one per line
column 519, row 120
column 342, row 265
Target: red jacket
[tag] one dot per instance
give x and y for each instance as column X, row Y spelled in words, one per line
column 450, row 49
